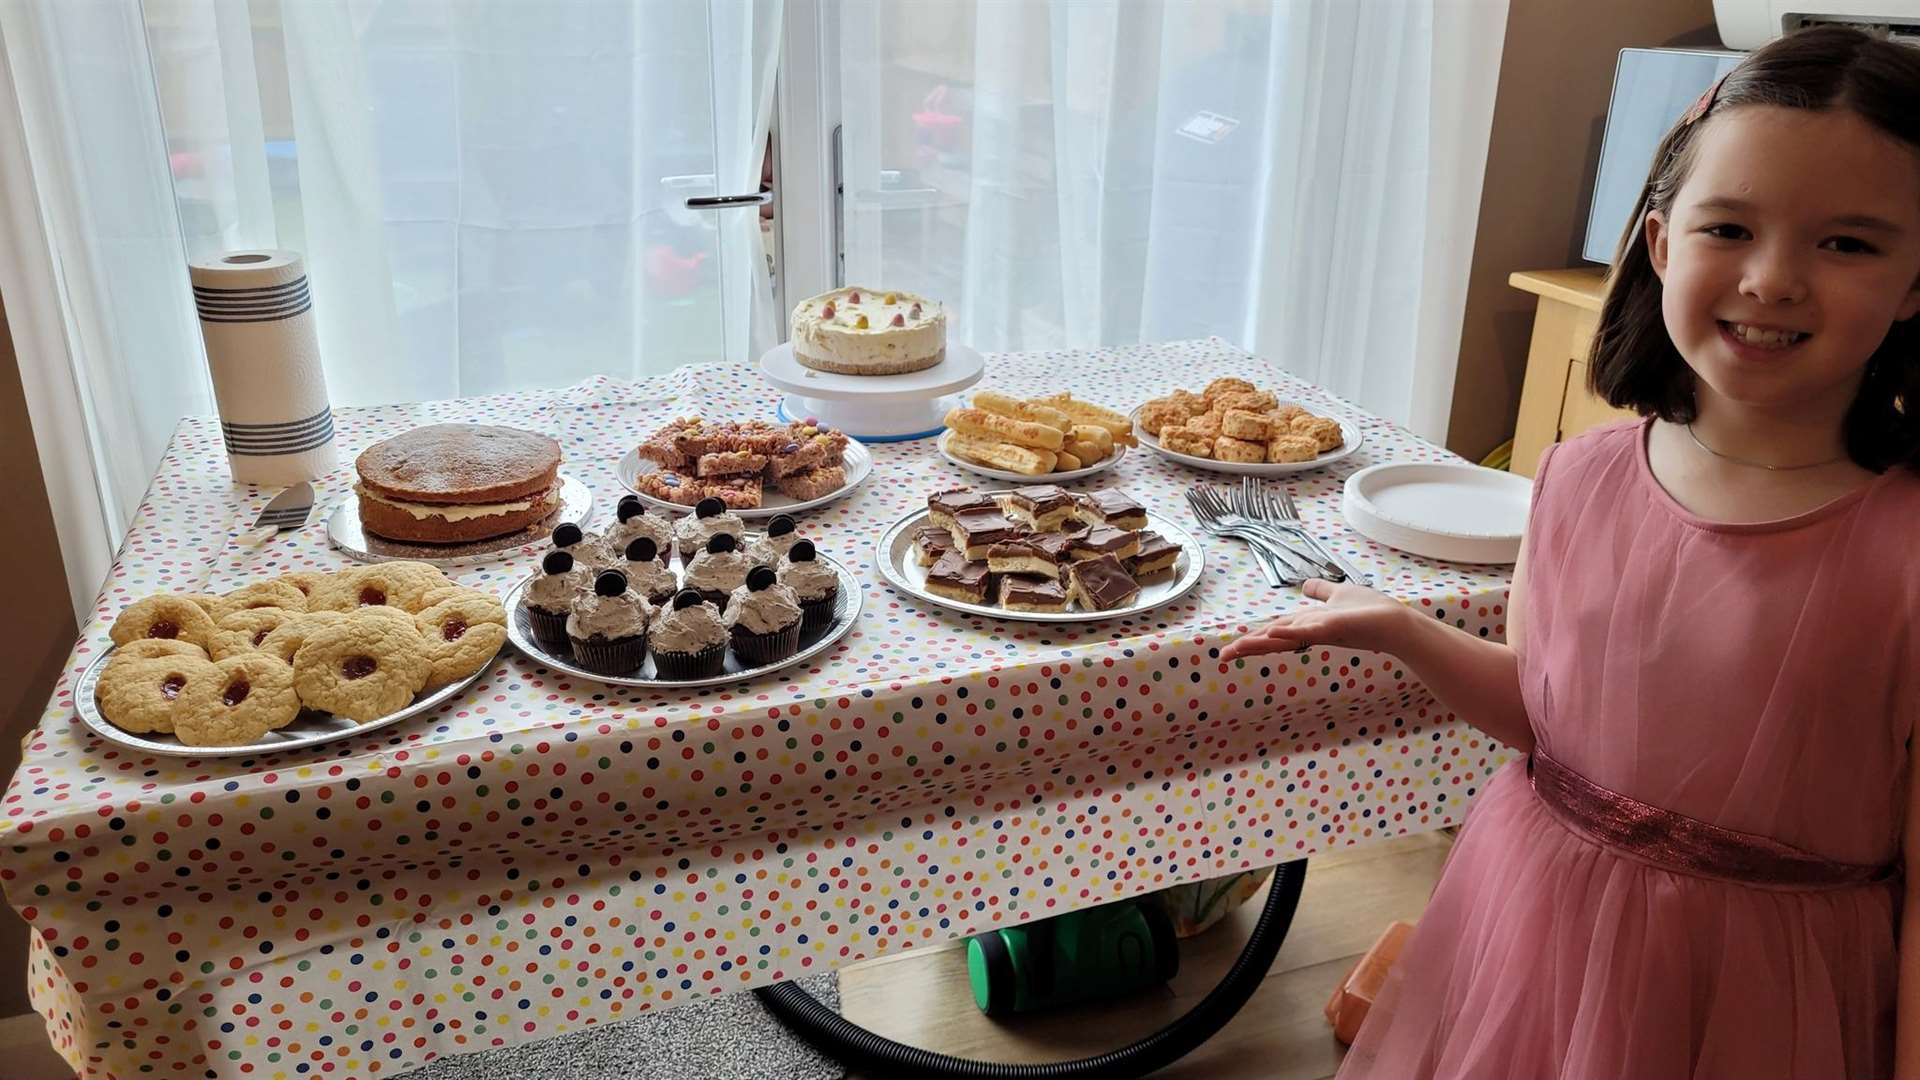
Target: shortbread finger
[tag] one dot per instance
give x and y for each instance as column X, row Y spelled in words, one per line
column 990, row 427
column 1015, row 409
column 1096, row 435
column 1000, row 455
column 1085, row 412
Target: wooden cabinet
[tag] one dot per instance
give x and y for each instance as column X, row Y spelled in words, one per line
column 1554, row 401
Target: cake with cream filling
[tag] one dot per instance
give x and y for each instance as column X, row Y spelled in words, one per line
column 861, row 331
column 457, row 483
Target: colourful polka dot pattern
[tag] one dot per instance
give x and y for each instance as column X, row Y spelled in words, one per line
column 547, row 854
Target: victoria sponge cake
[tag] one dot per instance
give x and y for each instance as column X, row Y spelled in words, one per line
column 457, row 483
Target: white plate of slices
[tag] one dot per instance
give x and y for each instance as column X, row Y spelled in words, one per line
column 1449, row 511
column 1108, row 462
column 896, row 559
column 856, row 460
column 1349, row 432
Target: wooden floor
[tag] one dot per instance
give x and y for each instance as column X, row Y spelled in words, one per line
column 921, row 997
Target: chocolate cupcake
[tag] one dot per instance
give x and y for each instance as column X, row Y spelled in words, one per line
column 689, row 639
column 710, row 518
column 550, row 596
column 636, row 521
column 608, row 626
column 763, row 619
column 780, row 537
column 646, row 574
column 588, row 549
column 814, row 582
column 719, row 570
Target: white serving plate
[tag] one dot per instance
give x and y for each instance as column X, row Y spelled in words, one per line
column 846, row 613
column 1348, row 430
column 345, row 532
column 856, row 460
column 1441, row 510
column 878, row 408
column 1119, row 453
column 308, row 729
column 893, row 554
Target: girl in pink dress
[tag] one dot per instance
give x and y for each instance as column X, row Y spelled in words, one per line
column 1713, row 664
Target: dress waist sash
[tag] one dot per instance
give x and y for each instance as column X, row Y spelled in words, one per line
column 1685, row 844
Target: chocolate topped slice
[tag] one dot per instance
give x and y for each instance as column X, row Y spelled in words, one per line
column 1156, row 559
column 1117, row 508
column 944, row 506
column 957, row 579
column 973, row 534
column 1040, row 553
column 1020, row 592
column 1043, row 506
column 930, row 542
column 1107, row 540
column 1101, row 584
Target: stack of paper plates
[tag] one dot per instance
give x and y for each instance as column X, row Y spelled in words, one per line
column 1453, row 512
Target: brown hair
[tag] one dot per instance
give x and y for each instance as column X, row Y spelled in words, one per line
column 1635, row 364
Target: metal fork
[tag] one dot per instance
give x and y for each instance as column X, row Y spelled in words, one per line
column 1274, row 541
column 1284, row 513
column 1210, row 516
column 1241, row 505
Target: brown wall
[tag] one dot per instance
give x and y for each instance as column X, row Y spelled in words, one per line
column 1556, row 72
column 32, row 646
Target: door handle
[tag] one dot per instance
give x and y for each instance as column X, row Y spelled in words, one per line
column 729, row 202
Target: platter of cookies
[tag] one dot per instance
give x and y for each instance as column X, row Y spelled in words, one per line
column 1040, row 554
column 1232, row 426
column 731, row 606
column 448, row 494
column 290, row 662
column 757, row 468
column 1054, row 438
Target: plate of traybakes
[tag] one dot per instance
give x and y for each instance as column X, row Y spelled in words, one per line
column 1234, row 427
column 726, row 606
column 289, row 662
column 756, row 468
column 1040, row 554
column 1027, row 440
column 448, row 494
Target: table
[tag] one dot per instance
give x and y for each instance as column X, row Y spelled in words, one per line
column 547, row 853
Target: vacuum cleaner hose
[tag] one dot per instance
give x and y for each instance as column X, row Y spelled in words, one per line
column 872, row 1055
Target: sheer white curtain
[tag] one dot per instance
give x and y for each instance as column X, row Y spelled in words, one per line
column 488, row 196
column 1291, row 175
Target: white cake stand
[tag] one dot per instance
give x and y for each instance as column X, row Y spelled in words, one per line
column 873, row 408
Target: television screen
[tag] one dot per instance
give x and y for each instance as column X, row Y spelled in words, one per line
column 1651, row 89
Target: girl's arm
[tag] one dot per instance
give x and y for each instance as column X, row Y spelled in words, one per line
column 1906, row 1045
column 1478, row 680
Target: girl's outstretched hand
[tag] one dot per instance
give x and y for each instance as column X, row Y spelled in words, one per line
column 1350, row 616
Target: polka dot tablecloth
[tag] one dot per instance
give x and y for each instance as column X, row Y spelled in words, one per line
column 549, row 853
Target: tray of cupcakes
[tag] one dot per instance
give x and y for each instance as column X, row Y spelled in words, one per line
column 1040, row 554
column 718, row 605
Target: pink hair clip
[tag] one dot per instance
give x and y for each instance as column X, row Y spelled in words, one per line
column 1704, row 103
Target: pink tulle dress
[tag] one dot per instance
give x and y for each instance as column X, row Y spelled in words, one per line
column 1761, row 679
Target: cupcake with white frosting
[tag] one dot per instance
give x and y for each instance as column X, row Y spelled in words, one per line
column 647, row 574
column 608, row 626
column 814, row 582
column 779, row 539
column 550, row 595
column 763, row 619
column 719, row 570
column 636, row 521
column 688, row 638
column 710, row 518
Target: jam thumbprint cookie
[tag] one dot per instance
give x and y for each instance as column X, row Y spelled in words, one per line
column 362, row 669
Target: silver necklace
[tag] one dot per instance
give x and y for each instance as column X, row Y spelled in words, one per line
column 1758, row 464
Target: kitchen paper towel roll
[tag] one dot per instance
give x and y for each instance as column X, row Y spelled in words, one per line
column 257, row 319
